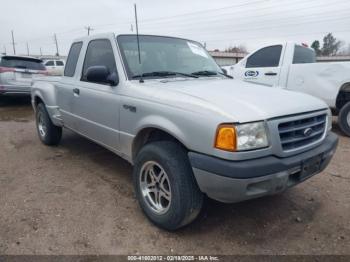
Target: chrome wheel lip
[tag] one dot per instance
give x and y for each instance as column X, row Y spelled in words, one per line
column 155, row 187
column 41, row 125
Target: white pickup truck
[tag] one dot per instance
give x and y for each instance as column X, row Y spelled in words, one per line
column 293, row 67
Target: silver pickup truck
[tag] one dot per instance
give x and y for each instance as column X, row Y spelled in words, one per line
column 187, row 128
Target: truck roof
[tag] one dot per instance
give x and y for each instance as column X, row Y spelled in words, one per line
column 114, row 36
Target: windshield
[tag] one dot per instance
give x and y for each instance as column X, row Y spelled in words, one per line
column 165, row 57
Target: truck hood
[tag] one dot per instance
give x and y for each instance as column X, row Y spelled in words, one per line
column 240, row 101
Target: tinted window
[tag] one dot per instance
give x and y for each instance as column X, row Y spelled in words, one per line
column 59, row 63
column 49, row 63
column 266, row 57
column 72, row 59
column 23, row 63
column 303, row 55
column 99, row 53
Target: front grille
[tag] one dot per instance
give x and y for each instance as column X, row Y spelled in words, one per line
column 302, row 132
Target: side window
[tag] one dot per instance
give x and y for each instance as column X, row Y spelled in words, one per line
column 72, row 59
column 303, row 55
column 59, row 63
column 99, row 53
column 266, row 57
column 49, row 63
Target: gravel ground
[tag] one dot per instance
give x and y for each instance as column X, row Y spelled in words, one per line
column 78, row 198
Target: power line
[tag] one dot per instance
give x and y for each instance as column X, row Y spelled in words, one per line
column 191, row 14
column 187, row 14
column 237, row 20
column 214, row 19
column 205, row 11
column 275, row 36
column 250, row 29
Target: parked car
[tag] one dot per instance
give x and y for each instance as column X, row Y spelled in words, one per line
column 17, row 74
column 54, row 67
column 293, row 67
column 187, row 129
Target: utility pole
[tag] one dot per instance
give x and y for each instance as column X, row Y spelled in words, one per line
column 55, row 38
column 4, row 49
column 89, row 28
column 13, row 43
column 27, row 49
column 41, row 52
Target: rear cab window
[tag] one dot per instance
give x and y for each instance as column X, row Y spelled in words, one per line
column 72, row 59
column 59, row 63
column 22, row 63
column 265, row 57
column 303, row 55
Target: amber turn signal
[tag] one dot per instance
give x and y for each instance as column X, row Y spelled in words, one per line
column 226, row 138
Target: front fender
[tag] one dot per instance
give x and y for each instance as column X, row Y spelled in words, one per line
column 154, row 122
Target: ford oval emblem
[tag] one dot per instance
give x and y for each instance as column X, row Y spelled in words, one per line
column 308, row 132
column 251, row 73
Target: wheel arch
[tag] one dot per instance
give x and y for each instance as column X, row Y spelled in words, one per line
column 343, row 95
column 37, row 100
column 151, row 134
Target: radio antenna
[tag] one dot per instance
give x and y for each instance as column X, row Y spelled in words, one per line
column 138, row 43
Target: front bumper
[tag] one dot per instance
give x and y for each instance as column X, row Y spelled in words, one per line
column 235, row 181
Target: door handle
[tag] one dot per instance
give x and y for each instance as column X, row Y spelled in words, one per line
column 76, row 91
column 270, row 74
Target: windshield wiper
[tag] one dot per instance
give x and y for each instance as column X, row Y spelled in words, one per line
column 163, row 74
column 210, row 73
column 205, row 73
column 228, row 76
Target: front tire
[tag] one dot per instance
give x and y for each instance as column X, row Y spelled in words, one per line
column 165, row 185
column 49, row 134
column 344, row 119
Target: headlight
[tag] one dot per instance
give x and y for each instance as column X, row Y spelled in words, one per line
column 241, row 137
column 251, row 136
column 329, row 120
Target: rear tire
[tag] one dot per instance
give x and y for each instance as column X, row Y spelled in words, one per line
column 49, row 134
column 344, row 119
column 163, row 167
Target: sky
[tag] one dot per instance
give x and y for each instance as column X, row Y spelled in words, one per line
column 219, row 24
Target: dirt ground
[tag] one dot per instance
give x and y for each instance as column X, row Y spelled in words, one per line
column 78, row 198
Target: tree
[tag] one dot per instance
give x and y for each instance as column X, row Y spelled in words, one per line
column 236, row 49
column 330, row 45
column 316, row 46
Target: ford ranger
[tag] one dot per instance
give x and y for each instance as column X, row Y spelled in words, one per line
column 187, row 128
column 293, row 67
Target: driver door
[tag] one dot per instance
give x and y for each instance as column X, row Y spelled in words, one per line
column 263, row 67
column 95, row 106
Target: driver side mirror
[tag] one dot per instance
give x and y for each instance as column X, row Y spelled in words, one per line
column 101, row 75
